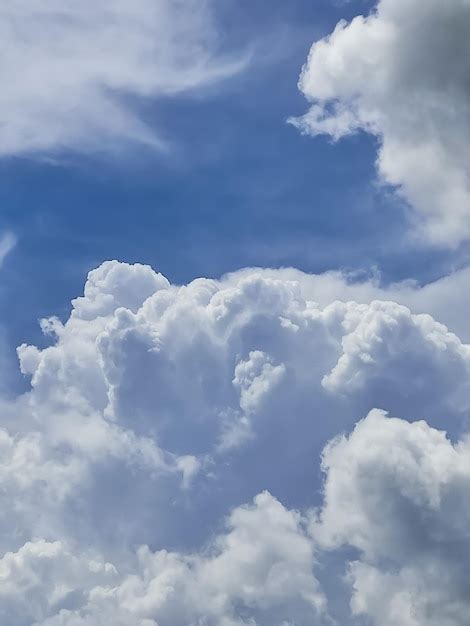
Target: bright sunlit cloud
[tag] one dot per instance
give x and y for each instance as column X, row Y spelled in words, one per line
column 401, row 74
column 73, row 73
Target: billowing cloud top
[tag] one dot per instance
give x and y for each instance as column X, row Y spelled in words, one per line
column 70, row 71
column 159, row 410
column 401, row 74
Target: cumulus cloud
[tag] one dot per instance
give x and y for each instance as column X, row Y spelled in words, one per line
column 72, row 73
column 214, row 351
column 391, row 351
column 398, row 493
column 446, row 298
column 401, row 75
column 261, row 567
column 157, row 408
column 186, row 372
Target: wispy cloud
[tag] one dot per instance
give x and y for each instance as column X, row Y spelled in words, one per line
column 8, row 241
column 70, row 71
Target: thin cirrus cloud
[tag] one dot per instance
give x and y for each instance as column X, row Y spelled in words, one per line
column 71, row 70
column 401, row 74
column 157, row 409
column 8, row 241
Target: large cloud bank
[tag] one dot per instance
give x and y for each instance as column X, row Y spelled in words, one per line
column 158, row 411
column 401, row 74
column 73, row 72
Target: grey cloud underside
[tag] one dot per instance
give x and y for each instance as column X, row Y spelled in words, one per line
column 401, row 74
column 160, row 410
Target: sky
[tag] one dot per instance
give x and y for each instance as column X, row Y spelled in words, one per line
column 234, row 342
column 237, row 187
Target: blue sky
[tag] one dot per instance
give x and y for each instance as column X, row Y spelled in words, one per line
column 238, row 187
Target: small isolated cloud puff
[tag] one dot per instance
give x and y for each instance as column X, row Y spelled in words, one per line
column 70, row 70
column 8, row 242
column 401, row 74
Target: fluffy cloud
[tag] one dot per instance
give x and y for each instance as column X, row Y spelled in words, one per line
column 392, row 352
column 70, row 72
column 260, row 568
column 398, row 493
column 401, row 75
column 446, row 299
column 156, row 408
column 175, row 376
column 177, row 365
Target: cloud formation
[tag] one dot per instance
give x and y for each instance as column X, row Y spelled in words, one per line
column 73, row 73
column 8, row 242
column 401, row 75
column 156, row 409
column 238, row 347
column 260, row 566
column 398, row 493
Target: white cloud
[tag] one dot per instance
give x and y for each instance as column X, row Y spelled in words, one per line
column 70, row 71
column 391, row 352
column 186, row 388
column 157, row 408
column 255, row 377
column 7, row 243
column 398, row 493
column 214, row 353
column 261, row 567
column 446, row 299
column 401, row 75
